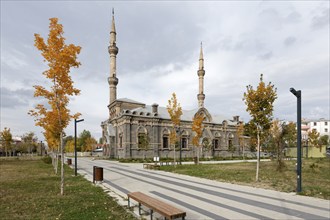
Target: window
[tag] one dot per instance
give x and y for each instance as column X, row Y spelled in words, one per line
column 325, row 130
column 120, row 140
column 215, row 143
column 143, row 141
column 207, row 143
column 230, row 144
column 315, row 123
column 325, row 123
column 165, row 142
column 183, row 143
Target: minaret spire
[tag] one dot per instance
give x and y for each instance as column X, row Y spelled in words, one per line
column 113, row 51
column 201, row 59
column 201, row 73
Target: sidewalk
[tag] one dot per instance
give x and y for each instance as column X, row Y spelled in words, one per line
column 202, row 198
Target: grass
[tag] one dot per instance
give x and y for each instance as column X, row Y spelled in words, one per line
column 315, row 175
column 29, row 189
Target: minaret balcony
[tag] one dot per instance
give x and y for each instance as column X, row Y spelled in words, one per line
column 113, row 49
column 201, row 96
column 113, row 80
column 201, row 72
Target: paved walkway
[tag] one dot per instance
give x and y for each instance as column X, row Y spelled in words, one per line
column 201, row 198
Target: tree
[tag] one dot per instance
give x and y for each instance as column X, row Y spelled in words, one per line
column 29, row 142
column 278, row 131
column 90, row 144
column 250, row 131
column 60, row 58
column 82, row 140
column 6, row 139
column 197, row 128
column 290, row 134
column 69, row 146
column 143, row 142
column 324, row 140
column 259, row 104
column 175, row 111
column 313, row 139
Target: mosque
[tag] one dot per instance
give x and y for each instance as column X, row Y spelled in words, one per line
column 137, row 130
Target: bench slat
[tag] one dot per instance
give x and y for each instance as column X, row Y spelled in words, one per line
column 158, row 206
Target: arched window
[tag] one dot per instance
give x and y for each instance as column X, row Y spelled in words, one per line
column 206, row 143
column 184, row 140
column 216, row 140
column 142, row 136
column 216, row 143
column 120, row 140
column 230, row 141
column 165, row 139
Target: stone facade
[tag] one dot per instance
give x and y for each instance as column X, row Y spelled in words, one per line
column 137, row 130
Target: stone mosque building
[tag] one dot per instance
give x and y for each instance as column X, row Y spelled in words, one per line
column 130, row 122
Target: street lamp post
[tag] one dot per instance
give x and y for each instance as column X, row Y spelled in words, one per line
column 75, row 144
column 299, row 177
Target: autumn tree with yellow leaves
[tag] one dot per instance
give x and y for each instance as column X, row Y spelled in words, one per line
column 55, row 117
column 259, row 104
column 6, row 139
column 240, row 135
column 313, row 139
column 197, row 128
column 175, row 111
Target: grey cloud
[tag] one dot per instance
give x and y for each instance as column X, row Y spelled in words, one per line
column 16, row 98
column 293, row 17
column 321, row 20
column 266, row 56
column 271, row 18
column 152, row 41
column 289, row 41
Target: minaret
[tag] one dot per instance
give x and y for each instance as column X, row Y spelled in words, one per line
column 113, row 51
column 201, row 73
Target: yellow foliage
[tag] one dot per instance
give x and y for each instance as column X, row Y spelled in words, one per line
column 173, row 137
column 259, row 103
column 197, row 127
column 90, row 144
column 60, row 58
column 69, row 147
column 174, row 110
column 239, row 133
column 313, row 138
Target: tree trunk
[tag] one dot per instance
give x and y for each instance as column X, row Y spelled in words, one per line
column 198, row 148
column 56, row 162
column 174, row 156
column 258, row 155
column 62, row 164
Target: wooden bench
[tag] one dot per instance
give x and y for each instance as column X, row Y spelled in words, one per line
column 162, row 163
column 166, row 210
column 151, row 166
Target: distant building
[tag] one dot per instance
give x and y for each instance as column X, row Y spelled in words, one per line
column 322, row 126
column 132, row 123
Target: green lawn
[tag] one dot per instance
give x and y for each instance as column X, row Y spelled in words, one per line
column 30, row 190
column 315, row 175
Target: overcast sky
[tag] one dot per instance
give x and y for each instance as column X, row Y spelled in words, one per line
column 159, row 43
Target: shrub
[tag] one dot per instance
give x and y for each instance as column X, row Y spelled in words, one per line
column 47, row 159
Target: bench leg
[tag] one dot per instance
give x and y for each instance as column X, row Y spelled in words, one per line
column 139, row 208
column 129, row 205
column 151, row 212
